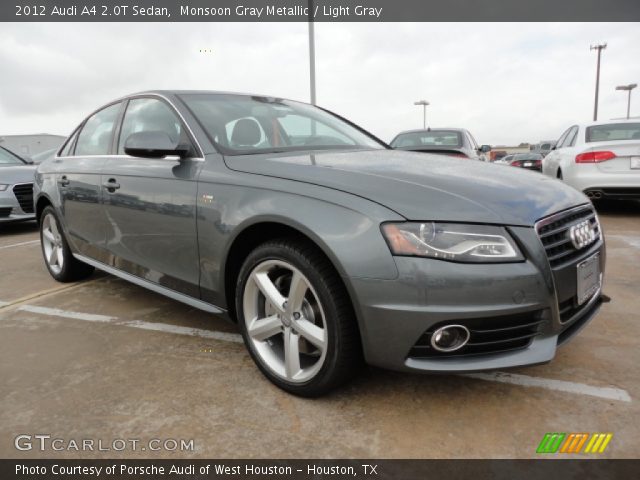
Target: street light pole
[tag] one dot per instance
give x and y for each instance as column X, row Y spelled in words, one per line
column 628, row 89
column 599, row 47
column 424, row 104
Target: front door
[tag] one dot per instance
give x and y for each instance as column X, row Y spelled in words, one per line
column 150, row 204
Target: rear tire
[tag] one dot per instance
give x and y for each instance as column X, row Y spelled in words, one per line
column 60, row 262
column 302, row 333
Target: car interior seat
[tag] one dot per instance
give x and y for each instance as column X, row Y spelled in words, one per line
column 246, row 133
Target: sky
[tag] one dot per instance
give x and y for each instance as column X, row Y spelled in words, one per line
column 505, row 82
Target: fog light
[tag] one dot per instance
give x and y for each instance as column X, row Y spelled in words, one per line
column 450, row 338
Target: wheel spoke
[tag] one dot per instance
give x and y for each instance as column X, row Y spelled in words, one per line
column 60, row 256
column 262, row 328
column 53, row 256
column 291, row 353
column 269, row 290
column 48, row 234
column 297, row 290
column 54, row 228
column 311, row 332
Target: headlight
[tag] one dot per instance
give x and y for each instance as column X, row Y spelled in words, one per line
column 452, row 241
column 3, row 187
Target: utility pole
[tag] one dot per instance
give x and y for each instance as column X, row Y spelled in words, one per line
column 628, row 89
column 424, row 104
column 599, row 47
column 312, row 55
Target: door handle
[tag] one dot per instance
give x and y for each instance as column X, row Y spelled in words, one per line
column 63, row 181
column 111, row 185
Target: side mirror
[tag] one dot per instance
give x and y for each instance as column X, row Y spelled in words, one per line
column 153, row 144
column 485, row 148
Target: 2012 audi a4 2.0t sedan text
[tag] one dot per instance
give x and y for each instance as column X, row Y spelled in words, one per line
column 326, row 247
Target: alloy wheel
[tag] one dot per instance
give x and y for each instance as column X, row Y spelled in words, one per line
column 285, row 322
column 52, row 244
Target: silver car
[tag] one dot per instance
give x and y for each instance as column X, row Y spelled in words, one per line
column 16, row 188
column 325, row 246
column 453, row 142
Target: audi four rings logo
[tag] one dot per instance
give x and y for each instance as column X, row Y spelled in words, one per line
column 582, row 234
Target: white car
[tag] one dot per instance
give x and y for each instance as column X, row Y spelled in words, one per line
column 601, row 159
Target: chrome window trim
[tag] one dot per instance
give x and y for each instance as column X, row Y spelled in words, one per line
column 168, row 158
column 199, row 158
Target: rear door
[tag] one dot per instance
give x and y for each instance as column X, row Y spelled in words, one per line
column 78, row 181
column 150, row 203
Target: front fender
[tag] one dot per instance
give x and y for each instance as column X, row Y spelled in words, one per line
column 349, row 236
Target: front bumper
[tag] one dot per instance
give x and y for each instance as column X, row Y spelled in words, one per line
column 493, row 299
column 16, row 203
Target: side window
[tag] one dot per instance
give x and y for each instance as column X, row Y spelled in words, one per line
column 570, row 137
column 150, row 115
column 95, row 136
column 562, row 138
column 575, row 137
column 66, row 151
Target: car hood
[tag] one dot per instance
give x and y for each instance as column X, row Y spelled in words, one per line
column 18, row 174
column 422, row 186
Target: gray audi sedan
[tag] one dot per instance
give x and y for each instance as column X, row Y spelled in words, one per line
column 16, row 188
column 326, row 247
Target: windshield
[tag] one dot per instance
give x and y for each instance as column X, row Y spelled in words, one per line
column 613, row 132
column 8, row 158
column 241, row 124
column 428, row 138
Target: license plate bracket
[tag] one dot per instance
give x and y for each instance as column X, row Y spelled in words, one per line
column 635, row 163
column 589, row 278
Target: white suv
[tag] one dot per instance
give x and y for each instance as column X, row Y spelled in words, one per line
column 601, row 159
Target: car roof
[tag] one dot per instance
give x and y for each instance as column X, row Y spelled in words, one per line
column 420, row 130
column 607, row 122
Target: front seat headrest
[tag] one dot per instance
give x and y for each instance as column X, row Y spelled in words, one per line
column 246, row 133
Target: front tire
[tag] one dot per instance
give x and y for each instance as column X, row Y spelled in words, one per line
column 60, row 262
column 296, row 318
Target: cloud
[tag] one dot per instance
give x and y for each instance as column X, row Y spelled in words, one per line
column 506, row 83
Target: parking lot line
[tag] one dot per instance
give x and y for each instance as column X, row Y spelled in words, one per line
column 158, row 327
column 609, row 393
column 31, row 242
column 44, row 293
column 89, row 317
